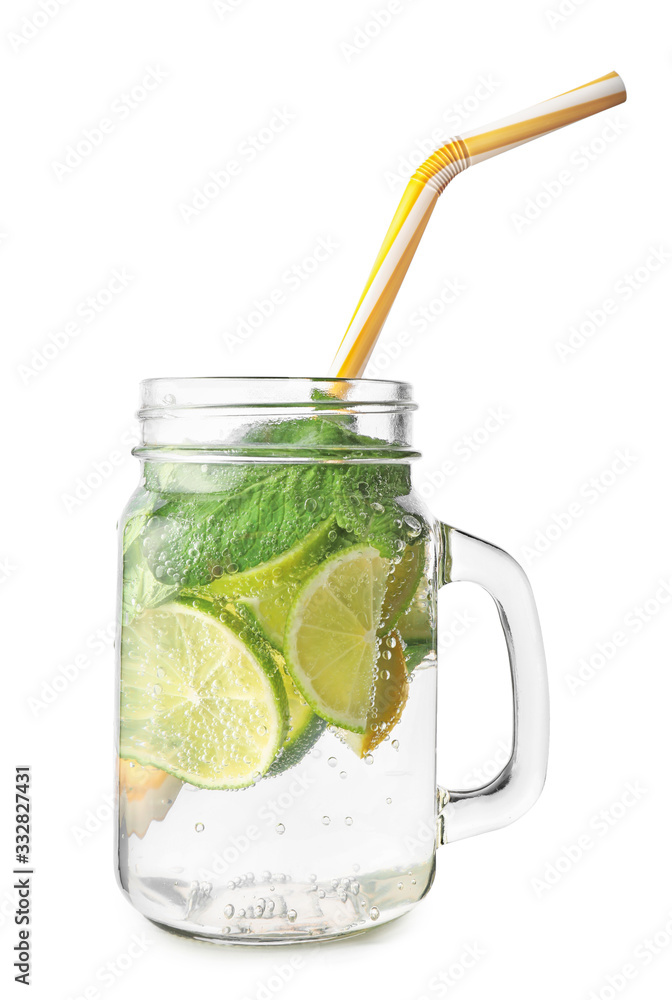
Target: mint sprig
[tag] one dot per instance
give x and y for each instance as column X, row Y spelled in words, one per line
column 259, row 511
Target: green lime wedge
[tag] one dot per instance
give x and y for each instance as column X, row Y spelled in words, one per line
column 402, row 584
column 269, row 612
column 305, row 727
column 201, row 696
column 276, row 572
column 389, row 696
column 415, row 626
column 330, row 644
column 269, row 590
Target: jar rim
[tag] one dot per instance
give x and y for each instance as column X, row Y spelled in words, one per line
column 167, row 394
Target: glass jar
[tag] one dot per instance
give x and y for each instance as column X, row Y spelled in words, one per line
column 278, row 663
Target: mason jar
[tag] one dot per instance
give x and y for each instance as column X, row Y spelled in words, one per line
column 278, row 669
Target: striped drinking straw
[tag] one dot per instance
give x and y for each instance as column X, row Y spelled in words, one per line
column 422, row 193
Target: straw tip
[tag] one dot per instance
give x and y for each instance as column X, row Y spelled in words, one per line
column 621, row 91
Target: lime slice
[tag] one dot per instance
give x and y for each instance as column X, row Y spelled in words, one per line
column 269, row 612
column 277, row 572
column 305, row 728
column 390, row 693
column 402, row 584
column 201, row 696
column 415, row 626
column 330, row 641
column 269, row 590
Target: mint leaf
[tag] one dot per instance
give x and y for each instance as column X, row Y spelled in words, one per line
column 255, row 512
column 193, row 539
column 140, row 588
column 364, row 502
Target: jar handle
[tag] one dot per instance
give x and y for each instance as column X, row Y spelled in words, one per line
column 517, row 787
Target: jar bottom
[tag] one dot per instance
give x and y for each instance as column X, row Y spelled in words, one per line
column 277, row 912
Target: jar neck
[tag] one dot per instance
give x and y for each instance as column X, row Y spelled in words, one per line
column 275, row 420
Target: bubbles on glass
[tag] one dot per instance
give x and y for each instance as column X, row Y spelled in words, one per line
column 413, row 526
column 199, row 827
column 374, row 912
column 326, row 820
column 280, row 828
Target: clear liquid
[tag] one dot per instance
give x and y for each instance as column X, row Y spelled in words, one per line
column 330, row 847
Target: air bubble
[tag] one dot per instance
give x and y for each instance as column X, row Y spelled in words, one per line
column 389, row 801
column 229, row 910
column 374, row 912
column 291, row 915
column 368, row 758
column 280, row 828
column 310, row 504
column 199, row 828
column 395, row 744
column 343, row 774
column 348, row 820
column 413, row 526
column 332, row 762
column 326, row 820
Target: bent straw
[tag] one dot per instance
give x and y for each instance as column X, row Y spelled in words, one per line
column 422, row 193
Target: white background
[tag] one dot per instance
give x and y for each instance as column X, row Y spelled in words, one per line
column 525, row 283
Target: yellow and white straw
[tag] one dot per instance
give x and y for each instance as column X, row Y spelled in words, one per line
column 422, row 193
